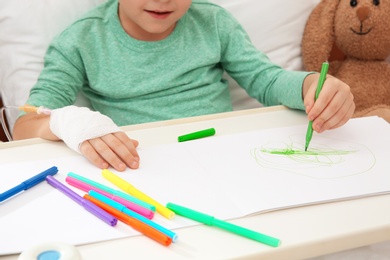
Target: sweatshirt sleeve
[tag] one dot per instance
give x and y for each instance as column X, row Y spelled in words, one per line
column 60, row 80
column 267, row 82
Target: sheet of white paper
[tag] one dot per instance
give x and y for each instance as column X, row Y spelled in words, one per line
column 225, row 176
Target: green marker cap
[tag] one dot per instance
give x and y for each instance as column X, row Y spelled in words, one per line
column 197, row 135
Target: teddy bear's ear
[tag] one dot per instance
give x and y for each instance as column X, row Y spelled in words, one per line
column 318, row 37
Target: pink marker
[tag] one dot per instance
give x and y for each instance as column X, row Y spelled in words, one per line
column 133, row 206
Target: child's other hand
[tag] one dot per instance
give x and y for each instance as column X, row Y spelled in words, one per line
column 96, row 136
column 116, row 150
column 334, row 106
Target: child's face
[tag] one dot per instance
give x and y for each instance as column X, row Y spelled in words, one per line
column 151, row 20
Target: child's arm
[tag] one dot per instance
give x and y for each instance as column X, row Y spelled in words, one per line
column 111, row 149
column 334, row 106
column 32, row 125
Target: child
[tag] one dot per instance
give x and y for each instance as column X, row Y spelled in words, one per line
column 138, row 61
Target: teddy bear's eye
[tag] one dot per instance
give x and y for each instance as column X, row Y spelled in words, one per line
column 353, row 3
column 376, row 2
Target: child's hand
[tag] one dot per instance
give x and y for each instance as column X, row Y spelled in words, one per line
column 96, row 136
column 116, row 150
column 334, row 106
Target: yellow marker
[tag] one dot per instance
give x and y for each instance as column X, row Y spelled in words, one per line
column 127, row 187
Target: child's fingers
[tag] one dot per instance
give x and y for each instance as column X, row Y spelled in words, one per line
column 90, row 153
column 346, row 116
column 340, row 117
column 107, row 151
column 338, row 107
column 334, row 105
column 123, row 149
column 107, row 154
column 310, row 101
column 320, row 105
column 128, row 152
column 130, row 143
column 309, row 97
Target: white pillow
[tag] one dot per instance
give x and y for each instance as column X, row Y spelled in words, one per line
column 27, row 27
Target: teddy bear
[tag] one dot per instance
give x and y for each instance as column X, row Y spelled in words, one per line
column 354, row 37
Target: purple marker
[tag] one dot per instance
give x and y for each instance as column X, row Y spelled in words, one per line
column 98, row 212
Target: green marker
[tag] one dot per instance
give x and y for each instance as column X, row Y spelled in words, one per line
column 321, row 80
column 197, row 135
column 211, row 221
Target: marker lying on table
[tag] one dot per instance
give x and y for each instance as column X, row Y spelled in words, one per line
column 134, row 223
column 133, row 214
column 113, row 191
column 197, row 135
column 211, row 221
column 27, row 184
column 98, row 212
column 127, row 187
column 86, row 187
column 321, row 80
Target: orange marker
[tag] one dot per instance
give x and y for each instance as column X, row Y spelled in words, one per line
column 134, row 223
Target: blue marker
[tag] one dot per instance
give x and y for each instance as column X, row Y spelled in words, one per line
column 27, row 184
column 133, row 214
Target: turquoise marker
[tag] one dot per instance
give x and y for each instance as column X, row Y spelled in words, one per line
column 197, row 135
column 132, row 214
column 321, row 80
column 113, row 191
column 211, row 221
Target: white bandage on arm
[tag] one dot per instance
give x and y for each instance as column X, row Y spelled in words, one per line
column 74, row 125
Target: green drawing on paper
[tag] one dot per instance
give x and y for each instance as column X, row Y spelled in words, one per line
column 325, row 159
column 290, row 151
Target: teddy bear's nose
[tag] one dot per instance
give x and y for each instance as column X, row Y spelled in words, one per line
column 363, row 13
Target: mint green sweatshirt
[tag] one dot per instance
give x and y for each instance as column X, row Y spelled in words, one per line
column 135, row 81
